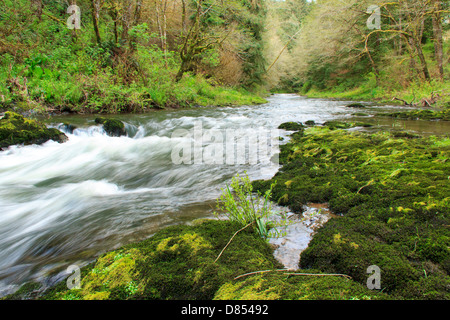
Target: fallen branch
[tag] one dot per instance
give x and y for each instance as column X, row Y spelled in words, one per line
column 295, row 274
column 405, row 102
column 320, row 275
column 260, row 272
column 229, row 242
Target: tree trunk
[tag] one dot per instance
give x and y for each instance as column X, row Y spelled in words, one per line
column 95, row 18
column 437, row 38
column 114, row 15
column 423, row 63
column 183, row 16
column 137, row 12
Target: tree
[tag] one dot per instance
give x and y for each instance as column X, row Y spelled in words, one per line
column 95, row 7
column 437, row 37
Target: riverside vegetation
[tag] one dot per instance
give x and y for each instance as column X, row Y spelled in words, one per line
column 129, row 57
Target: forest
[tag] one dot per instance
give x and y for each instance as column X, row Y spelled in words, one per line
column 133, row 55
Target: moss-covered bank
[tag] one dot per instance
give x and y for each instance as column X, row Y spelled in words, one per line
column 179, row 263
column 420, row 115
column 15, row 129
column 392, row 195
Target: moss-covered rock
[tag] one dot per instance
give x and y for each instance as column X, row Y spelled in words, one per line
column 28, row 291
column 292, row 126
column 15, row 129
column 113, row 127
column 335, row 124
column 391, row 194
column 176, row 263
column 279, row 286
column 419, row 115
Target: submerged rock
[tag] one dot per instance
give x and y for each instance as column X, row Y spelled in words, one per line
column 113, row 127
column 15, row 129
column 356, row 105
column 298, row 234
column 67, row 127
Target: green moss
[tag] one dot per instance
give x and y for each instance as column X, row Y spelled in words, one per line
column 420, row 115
column 333, row 125
column 292, row 126
column 176, row 263
column 27, row 291
column 15, row 129
column 279, row 286
column 113, row 127
column 392, row 195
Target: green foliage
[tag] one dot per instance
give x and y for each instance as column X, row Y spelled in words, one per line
column 66, row 70
column 239, row 204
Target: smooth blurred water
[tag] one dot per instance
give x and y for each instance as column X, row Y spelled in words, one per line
column 63, row 204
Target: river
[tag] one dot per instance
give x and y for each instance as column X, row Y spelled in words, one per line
column 64, row 204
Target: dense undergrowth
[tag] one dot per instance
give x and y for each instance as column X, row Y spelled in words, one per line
column 126, row 64
column 392, row 197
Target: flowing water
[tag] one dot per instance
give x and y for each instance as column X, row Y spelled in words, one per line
column 64, row 204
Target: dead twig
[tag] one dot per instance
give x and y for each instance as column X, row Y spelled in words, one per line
column 290, row 272
column 320, row 275
column 260, row 272
column 229, row 242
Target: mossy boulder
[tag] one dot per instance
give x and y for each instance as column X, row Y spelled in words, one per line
column 280, row 286
column 177, row 263
column 16, row 129
column 67, row 127
column 113, row 127
column 292, row 126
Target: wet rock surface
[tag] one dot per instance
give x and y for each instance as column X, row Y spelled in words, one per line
column 298, row 234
